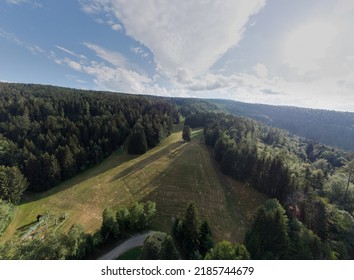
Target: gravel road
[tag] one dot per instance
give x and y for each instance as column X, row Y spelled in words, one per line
column 135, row 241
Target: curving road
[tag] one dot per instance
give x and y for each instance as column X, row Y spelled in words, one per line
column 135, row 241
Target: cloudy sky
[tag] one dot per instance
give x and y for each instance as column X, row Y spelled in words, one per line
column 280, row 52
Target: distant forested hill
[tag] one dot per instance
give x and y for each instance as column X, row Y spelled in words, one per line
column 328, row 127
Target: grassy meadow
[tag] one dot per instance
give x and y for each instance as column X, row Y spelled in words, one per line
column 172, row 174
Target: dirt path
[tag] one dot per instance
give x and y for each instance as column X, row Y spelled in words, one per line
column 135, row 241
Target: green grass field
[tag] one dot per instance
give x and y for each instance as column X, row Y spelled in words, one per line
column 173, row 174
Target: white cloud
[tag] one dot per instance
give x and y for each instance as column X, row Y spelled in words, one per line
column 188, row 35
column 116, row 27
column 308, row 44
column 117, row 79
column 113, row 58
column 66, row 50
column 114, row 73
column 312, row 66
column 261, row 70
column 73, row 64
column 182, row 77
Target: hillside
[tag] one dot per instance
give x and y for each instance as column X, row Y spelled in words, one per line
column 311, row 213
column 322, row 126
column 74, row 164
column 172, row 174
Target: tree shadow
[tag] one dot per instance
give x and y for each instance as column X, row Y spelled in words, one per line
column 27, row 226
column 93, row 171
column 138, row 166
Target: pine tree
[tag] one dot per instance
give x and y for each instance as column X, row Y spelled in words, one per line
column 190, row 228
column 109, row 228
column 206, row 241
column 137, row 142
column 12, row 184
column 186, row 133
column 268, row 237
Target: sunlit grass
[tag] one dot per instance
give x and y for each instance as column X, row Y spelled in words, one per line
column 172, row 174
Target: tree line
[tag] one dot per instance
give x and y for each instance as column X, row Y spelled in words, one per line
column 49, row 134
column 191, row 240
column 311, row 181
column 319, row 125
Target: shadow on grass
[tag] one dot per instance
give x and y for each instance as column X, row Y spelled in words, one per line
column 113, row 161
column 25, row 227
column 140, row 165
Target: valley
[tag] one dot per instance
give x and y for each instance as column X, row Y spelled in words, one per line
column 172, row 174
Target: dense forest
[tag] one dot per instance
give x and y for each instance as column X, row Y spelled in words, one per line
column 311, row 181
column 48, row 134
column 322, row 126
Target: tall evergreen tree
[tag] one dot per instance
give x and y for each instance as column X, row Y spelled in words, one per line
column 206, row 241
column 12, row 184
column 6, row 214
column 186, row 133
column 191, row 226
column 137, row 142
column 268, row 237
column 109, row 228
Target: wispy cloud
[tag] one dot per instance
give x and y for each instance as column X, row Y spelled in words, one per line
column 113, row 73
column 18, row 2
column 114, row 58
column 114, row 25
column 95, row 6
column 66, row 50
column 139, row 51
column 81, row 57
column 33, row 48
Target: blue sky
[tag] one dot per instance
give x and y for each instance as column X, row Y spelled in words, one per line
column 280, row 52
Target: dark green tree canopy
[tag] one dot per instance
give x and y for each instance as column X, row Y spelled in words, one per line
column 193, row 238
column 268, row 237
column 159, row 246
column 12, row 184
column 63, row 131
column 224, row 250
column 186, row 133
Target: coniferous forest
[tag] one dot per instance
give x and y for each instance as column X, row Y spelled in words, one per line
column 62, row 131
column 50, row 134
column 310, row 215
